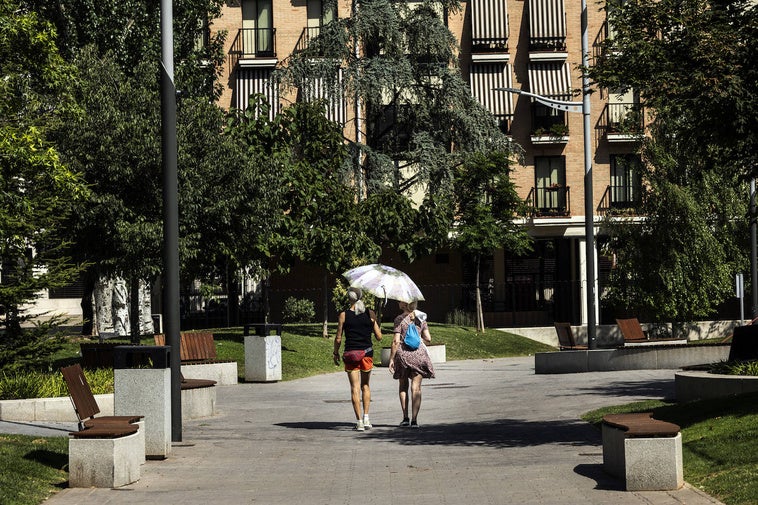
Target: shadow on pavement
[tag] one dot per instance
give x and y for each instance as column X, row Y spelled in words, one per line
column 654, row 389
column 603, row 480
column 496, row 433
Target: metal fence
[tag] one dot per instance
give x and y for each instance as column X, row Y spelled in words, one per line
column 509, row 304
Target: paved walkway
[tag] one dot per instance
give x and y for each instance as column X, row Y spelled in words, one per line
column 492, row 432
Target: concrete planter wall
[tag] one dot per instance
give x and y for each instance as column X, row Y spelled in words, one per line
column 60, row 410
column 438, row 353
column 696, row 385
column 629, row 358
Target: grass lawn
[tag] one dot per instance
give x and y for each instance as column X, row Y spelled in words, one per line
column 719, row 442
column 31, row 468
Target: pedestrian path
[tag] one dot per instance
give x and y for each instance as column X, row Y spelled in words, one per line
column 492, row 432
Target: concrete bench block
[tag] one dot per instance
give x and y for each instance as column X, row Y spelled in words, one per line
column 105, row 462
column 147, row 392
column 263, row 358
column 198, row 402
column 225, row 374
column 645, row 464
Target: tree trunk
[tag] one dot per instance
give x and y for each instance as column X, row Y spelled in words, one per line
column 326, row 305
column 479, row 311
column 232, row 299
column 88, row 312
column 134, row 309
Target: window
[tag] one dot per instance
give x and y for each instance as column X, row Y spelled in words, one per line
column 550, row 188
column 624, row 115
column 321, row 13
column 258, row 28
column 626, row 181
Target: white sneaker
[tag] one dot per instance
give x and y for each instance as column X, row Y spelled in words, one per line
column 367, row 423
column 359, row 426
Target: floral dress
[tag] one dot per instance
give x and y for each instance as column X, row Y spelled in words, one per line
column 409, row 362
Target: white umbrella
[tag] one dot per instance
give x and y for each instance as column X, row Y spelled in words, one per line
column 384, row 282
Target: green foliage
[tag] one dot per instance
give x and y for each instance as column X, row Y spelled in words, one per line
column 692, row 64
column 128, row 33
column 317, row 221
column 735, row 368
column 487, row 202
column 31, row 468
column 37, row 190
column 678, row 263
column 30, row 384
column 418, row 115
column 298, row 310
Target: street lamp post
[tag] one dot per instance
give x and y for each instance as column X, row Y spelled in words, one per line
column 589, row 214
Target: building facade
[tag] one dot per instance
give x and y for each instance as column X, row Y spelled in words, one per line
column 532, row 45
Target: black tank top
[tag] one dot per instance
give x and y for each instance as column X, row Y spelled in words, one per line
column 358, row 329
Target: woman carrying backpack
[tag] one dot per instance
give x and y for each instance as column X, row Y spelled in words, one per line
column 409, row 359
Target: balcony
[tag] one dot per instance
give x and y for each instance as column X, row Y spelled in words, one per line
column 308, row 34
column 251, row 44
column 550, row 201
column 549, row 130
column 621, row 200
column 547, row 44
column 623, row 122
column 489, row 45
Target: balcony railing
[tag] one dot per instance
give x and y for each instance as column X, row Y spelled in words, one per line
column 253, row 43
column 489, row 45
column 547, row 43
column 309, row 33
column 550, row 201
column 623, row 119
column 622, row 200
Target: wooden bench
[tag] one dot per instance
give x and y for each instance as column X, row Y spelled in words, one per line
column 197, row 353
column 566, row 339
column 85, row 404
column 645, row 452
column 633, row 334
column 107, row 451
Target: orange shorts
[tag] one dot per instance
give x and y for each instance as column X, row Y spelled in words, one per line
column 365, row 365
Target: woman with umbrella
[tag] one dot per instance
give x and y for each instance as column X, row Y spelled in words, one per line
column 357, row 324
column 410, row 365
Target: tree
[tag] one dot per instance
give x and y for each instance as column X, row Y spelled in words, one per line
column 692, row 64
column 117, row 142
column 487, row 203
column 417, row 118
column 37, row 190
column 318, row 221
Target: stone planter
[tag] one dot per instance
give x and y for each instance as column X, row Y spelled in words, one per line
column 438, row 353
column 697, row 385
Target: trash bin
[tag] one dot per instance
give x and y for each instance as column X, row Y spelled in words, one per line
column 263, row 353
column 142, row 386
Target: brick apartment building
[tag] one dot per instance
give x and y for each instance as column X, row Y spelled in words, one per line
column 533, row 45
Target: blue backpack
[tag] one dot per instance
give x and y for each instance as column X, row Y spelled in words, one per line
column 412, row 337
